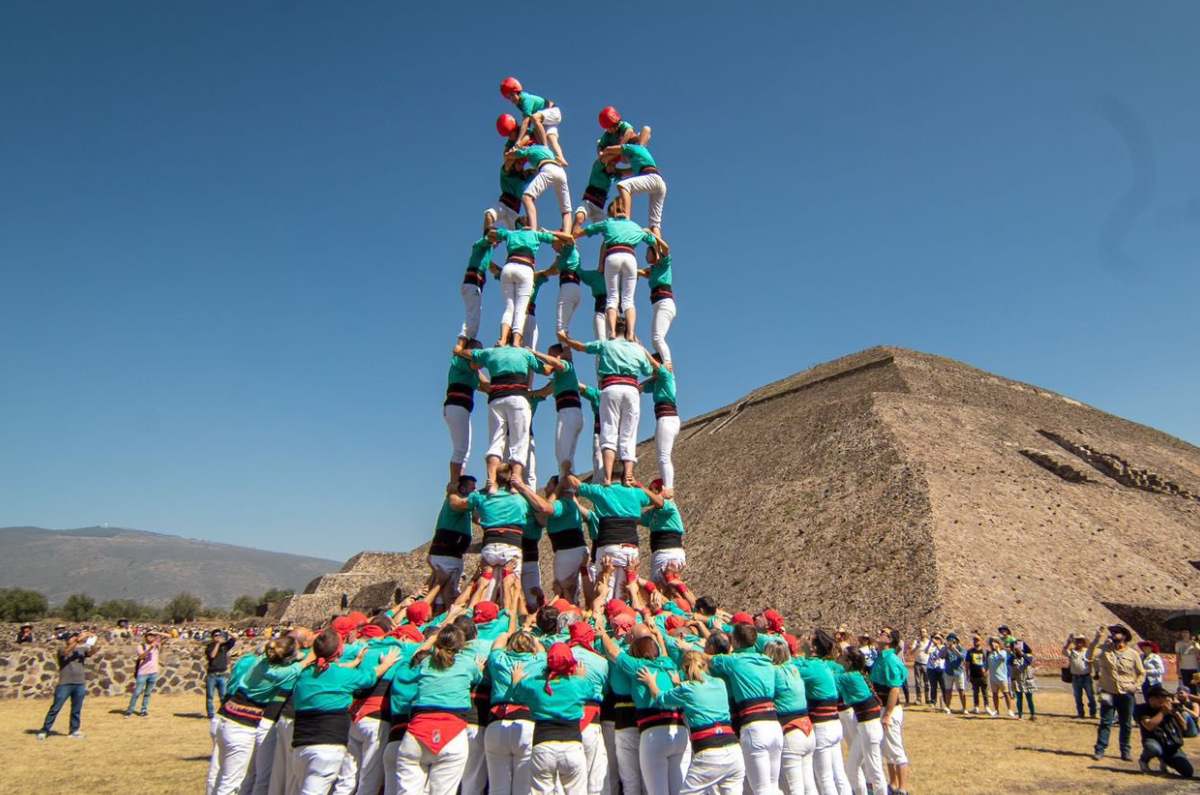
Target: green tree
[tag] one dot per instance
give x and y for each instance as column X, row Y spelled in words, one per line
column 78, row 607
column 277, row 594
column 182, row 607
column 244, row 606
column 115, row 609
column 19, row 604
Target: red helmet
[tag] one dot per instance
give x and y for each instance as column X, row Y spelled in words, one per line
column 506, row 125
column 510, row 86
column 609, row 117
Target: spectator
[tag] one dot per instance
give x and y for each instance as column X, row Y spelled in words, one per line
column 955, row 676
column 1187, row 657
column 999, row 663
column 72, row 678
column 867, row 646
column 217, row 677
column 921, row 651
column 1156, row 669
column 1190, row 711
column 1079, row 662
column 1162, row 727
column 1024, row 679
column 1120, row 673
column 935, row 665
column 25, row 634
column 145, row 672
column 977, row 671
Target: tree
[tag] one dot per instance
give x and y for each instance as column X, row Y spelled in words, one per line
column 182, row 607
column 19, row 604
column 277, row 595
column 131, row 609
column 78, row 607
column 244, row 606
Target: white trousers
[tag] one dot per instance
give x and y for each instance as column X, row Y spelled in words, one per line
column 449, row 565
column 596, row 755
column 531, row 458
column 569, row 423
column 551, row 176
column 458, row 421
column 893, row 739
column 715, row 771
column 472, row 298
column 612, row 781
column 419, row 770
column 597, row 458
column 318, row 767
column 529, row 330
column 508, row 424
column 629, row 770
column 828, row 767
column 559, row 764
column 625, row 558
column 866, row 759
column 664, row 754
column 849, row 729
column 620, row 277
column 600, row 325
column 233, row 752
column 516, row 284
column 475, row 780
column 531, row 579
column 762, row 749
column 362, row 767
column 652, row 184
column 283, row 772
column 796, row 764
column 620, row 409
column 258, row 777
column 509, row 747
column 567, row 563
column 661, row 559
column 497, row 555
column 505, row 215
column 569, row 296
column 662, row 313
column 666, row 430
column 591, row 213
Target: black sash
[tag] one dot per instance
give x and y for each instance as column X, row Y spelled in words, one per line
column 475, row 277
column 449, row 543
column 665, row 409
column 567, row 400
column 529, row 550
column 502, row 535
column 508, row 385
column 617, row 530
column 460, row 395
column 561, row 731
column 571, row 538
column 314, row 727
column 665, row 539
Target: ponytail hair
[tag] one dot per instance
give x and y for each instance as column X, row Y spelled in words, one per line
column 327, row 647
column 447, row 646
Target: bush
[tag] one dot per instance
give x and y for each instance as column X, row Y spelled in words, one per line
column 19, row 604
column 244, row 606
column 182, row 607
column 277, row 595
column 78, row 607
column 115, row 609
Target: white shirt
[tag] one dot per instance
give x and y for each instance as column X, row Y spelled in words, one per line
column 1186, row 650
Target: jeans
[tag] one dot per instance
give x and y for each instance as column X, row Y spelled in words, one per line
column 213, row 682
column 1115, row 706
column 1080, row 684
column 1172, row 757
column 61, row 694
column 144, row 687
column 1190, row 728
column 1021, row 699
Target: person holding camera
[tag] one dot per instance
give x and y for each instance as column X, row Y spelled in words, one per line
column 216, row 677
column 145, row 672
column 1162, row 724
column 72, row 678
column 1120, row 673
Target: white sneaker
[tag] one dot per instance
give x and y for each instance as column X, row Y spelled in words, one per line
column 1012, row 714
column 489, row 217
column 975, row 711
column 992, row 712
column 42, row 735
column 76, row 735
column 946, row 710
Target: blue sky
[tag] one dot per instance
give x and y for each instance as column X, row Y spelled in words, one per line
column 231, row 238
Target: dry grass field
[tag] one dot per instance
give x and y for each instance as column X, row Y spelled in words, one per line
column 168, row 752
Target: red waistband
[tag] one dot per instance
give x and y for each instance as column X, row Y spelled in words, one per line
column 590, row 713
column 435, row 730
column 510, row 711
column 521, row 259
column 712, row 731
column 618, row 380
column 619, row 248
column 368, row 707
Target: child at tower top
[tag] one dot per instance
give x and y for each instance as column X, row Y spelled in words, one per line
column 513, row 179
column 535, row 110
column 547, row 174
column 644, row 179
column 617, row 132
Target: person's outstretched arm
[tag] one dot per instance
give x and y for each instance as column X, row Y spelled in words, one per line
column 539, row 503
column 565, row 338
column 552, row 361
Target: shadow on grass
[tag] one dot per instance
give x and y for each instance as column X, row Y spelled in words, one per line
column 195, row 715
column 1055, row 751
column 198, row 758
column 1132, row 771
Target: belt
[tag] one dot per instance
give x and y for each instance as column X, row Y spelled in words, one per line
column 460, row 395
column 568, row 399
column 568, row 277
column 618, row 380
column 649, row 718
column 665, row 409
column 503, row 535
column 659, row 293
column 718, row 735
column 618, row 248
column 474, row 277
column 520, row 259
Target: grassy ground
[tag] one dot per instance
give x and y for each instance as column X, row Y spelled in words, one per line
column 168, row 752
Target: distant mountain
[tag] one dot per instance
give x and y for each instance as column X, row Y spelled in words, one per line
column 117, row 563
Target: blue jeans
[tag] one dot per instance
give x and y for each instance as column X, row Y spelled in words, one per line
column 1080, row 684
column 213, row 682
column 61, row 694
column 1172, row 757
column 143, row 687
column 1190, row 728
column 1022, row 699
column 1116, row 706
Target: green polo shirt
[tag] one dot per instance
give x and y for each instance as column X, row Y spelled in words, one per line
column 704, row 703
column 660, row 272
column 508, row 360
column 523, row 241
column 461, row 372
column 565, row 517
column 618, row 500
column 501, row 509
column 450, row 519
column 448, row 688
column 481, row 255
column 889, row 670
column 663, row 520
column 536, row 154
column 619, row 232
column 639, row 157
column 819, row 684
column 618, row 357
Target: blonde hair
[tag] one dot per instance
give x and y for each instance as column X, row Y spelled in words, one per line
column 695, row 665
column 521, row 641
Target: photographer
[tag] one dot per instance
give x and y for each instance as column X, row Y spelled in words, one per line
column 216, row 653
column 1161, row 722
column 1120, row 673
column 1189, row 710
column 71, row 681
column 145, row 672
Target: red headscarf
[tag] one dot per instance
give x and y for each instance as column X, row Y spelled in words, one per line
column 742, row 618
column 408, row 632
column 417, row 612
column 582, row 634
column 559, row 662
column 623, row 621
column 675, row 622
column 485, row 612
column 322, row 663
column 614, row 607
column 358, row 618
column 371, row 631
column 344, row 626
column 793, row 644
column 774, row 620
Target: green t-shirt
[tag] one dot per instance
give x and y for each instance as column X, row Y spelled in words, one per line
column 563, row 702
column 260, row 681
column 790, row 696
column 704, row 703
column 461, row 372
column 889, row 670
column 595, row 668
column 534, row 402
column 852, row 688
column 819, row 684
column 481, row 255
column 566, row 516
column 330, row 690
column 565, row 380
column 513, row 181
column 595, row 282
column 530, row 104
column 508, row 360
column 663, row 520
column 500, row 666
column 403, row 677
column 538, row 281
column 615, row 501
column 536, row 154
column 450, row 519
column 592, row 395
column 661, row 666
column 619, row 232
column 600, row 179
column 501, row 509
column 661, row 386
column 533, row 530
column 523, row 241
column 613, row 137
column 618, row 357
column 660, row 272
column 747, row 673
column 567, row 260
column 639, row 157
column 448, row 688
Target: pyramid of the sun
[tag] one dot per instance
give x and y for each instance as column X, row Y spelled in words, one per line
column 894, row 486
